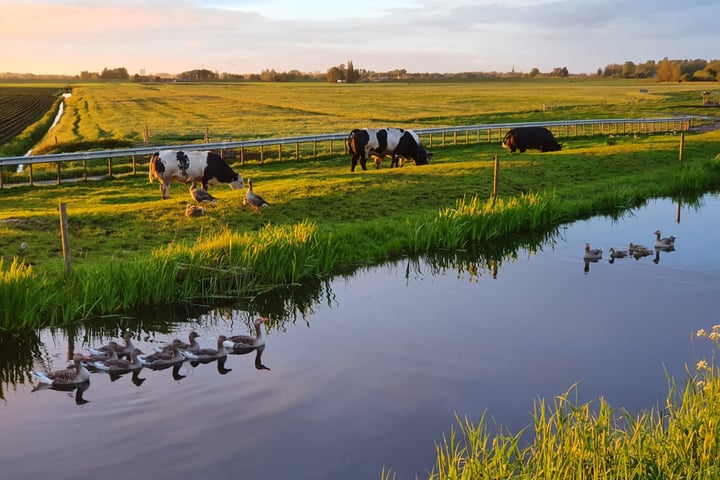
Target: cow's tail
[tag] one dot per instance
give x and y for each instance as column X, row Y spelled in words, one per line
column 351, row 142
column 152, row 172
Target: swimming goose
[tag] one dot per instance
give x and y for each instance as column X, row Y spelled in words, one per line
column 120, row 365
column 639, row 251
column 255, row 201
column 159, row 359
column 618, row 253
column 67, row 376
column 208, row 354
column 108, row 354
column 120, row 350
column 200, row 195
column 592, row 255
column 182, row 346
column 248, row 341
column 666, row 242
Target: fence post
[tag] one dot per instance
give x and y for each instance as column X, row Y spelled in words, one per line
column 495, row 178
column 64, row 238
column 297, row 151
column 58, row 173
column 110, row 167
column 262, row 154
column 30, row 174
column 1, row 177
column 682, row 145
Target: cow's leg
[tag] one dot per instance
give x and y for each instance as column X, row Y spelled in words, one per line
column 363, row 162
column 165, row 190
column 354, row 162
column 378, row 162
column 393, row 161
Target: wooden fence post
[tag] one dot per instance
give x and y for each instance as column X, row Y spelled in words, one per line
column 682, row 145
column 495, row 178
column 58, row 173
column 64, row 237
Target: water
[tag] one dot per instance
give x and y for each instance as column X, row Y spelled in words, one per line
column 370, row 369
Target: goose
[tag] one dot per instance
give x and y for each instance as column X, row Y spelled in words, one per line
column 160, row 359
column 194, row 211
column 639, row 251
column 120, row 350
column 120, row 365
column 666, row 242
column 108, row 354
column 592, row 255
column 618, row 253
column 67, row 376
column 255, row 201
column 200, row 195
column 192, row 346
column 208, row 354
column 248, row 341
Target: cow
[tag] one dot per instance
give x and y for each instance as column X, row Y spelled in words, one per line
column 380, row 142
column 205, row 167
column 523, row 138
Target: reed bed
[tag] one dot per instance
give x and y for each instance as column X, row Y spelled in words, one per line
column 591, row 440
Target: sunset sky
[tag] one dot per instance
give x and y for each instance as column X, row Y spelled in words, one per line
column 248, row 36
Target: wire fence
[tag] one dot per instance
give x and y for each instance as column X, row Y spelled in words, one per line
column 82, row 165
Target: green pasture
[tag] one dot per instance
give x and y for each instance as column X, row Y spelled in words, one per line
column 168, row 113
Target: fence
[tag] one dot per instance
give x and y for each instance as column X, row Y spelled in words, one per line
column 244, row 150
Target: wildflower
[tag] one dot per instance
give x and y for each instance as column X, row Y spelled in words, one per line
column 716, row 328
column 701, row 365
column 714, row 336
column 701, row 333
column 700, row 384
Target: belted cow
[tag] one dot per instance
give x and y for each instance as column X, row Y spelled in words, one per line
column 381, row 142
column 538, row 138
column 205, row 167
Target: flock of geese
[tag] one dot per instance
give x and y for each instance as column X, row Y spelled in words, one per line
column 662, row 244
column 202, row 196
column 119, row 358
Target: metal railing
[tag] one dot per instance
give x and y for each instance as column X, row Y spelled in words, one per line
column 429, row 135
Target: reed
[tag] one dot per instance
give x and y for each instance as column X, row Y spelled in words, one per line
column 23, row 294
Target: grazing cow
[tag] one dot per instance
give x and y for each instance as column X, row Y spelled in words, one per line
column 205, row 167
column 381, row 142
column 538, row 138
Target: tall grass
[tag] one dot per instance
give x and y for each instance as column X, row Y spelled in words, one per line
column 572, row 440
column 23, row 295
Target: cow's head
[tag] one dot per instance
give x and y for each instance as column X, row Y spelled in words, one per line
column 424, row 157
column 237, row 183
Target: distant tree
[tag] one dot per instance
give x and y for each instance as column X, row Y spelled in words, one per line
column 120, row 73
column 668, row 71
column 199, row 75
column 335, row 75
column 560, row 72
column 268, row 75
column 628, row 70
column 534, row 72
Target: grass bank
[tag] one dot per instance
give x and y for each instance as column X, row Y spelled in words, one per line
column 129, row 248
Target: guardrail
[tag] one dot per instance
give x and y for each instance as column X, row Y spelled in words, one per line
column 429, row 135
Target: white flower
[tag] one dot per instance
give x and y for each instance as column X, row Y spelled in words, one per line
column 701, row 365
column 23, row 245
column 700, row 333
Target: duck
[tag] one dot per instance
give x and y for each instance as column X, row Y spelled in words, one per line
column 160, row 359
column 254, row 200
column 208, row 354
column 666, row 242
column 120, row 350
column 108, row 354
column 121, row 365
column 248, row 341
column 592, row 255
column 73, row 375
column 194, row 211
column 200, row 195
column 191, row 346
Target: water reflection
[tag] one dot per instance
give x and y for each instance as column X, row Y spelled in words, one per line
column 79, row 389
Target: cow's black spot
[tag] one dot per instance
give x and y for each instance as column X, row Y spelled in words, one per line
column 183, row 162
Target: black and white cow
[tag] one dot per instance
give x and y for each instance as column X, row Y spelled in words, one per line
column 205, row 167
column 380, row 142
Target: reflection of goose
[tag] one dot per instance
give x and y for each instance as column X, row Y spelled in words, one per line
column 258, row 358
column 120, row 350
column 248, row 341
column 666, row 242
column 208, row 354
column 592, row 255
column 67, row 376
column 160, row 359
column 121, row 365
column 78, row 388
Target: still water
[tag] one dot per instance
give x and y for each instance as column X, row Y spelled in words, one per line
column 368, row 370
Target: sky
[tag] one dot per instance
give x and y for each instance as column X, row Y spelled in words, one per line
column 439, row 36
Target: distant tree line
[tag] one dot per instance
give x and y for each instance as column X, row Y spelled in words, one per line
column 665, row 70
